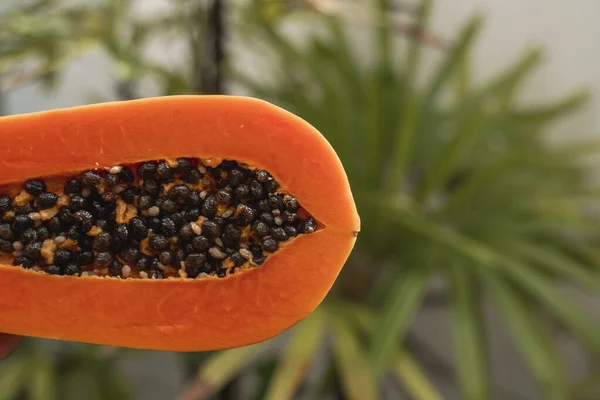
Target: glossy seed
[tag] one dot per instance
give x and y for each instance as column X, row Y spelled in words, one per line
column 46, row 200
column 138, row 228
column 309, row 226
column 74, row 186
column 276, row 202
column 71, row 269
column 184, row 165
column 4, row 203
column 129, row 194
column 66, row 217
column 186, row 232
column 211, row 230
column 126, row 175
column 112, row 179
column 35, row 187
column 156, row 273
column 236, row 176
column 244, row 215
column 77, row 203
column 53, row 269
column 29, row 236
column 23, row 261
column 271, row 186
column 269, row 244
column 85, row 258
column 166, row 258
column 22, row 223
column 146, row 170
column 267, row 218
column 290, row 202
column 6, row 232
column 262, row 176
column 91, row 178
column 278, row 234
column 223, row 197
column 145, row 202
column 103, row 241
column 178, row 220
column 164, row 172
column 209, row 208
column 168, row 206
column 6, row 246
column 291, row 231
column 167, row 227
column 192, row 215
column 43, row 233
column 151, row 187
column 195, row 260
column 193, row 199
column 153, row 223
column 232, row 233
column 242, row 192
column 179, row 193
column 159, row 242
column 200, row 243
column 256, row 190
column 103, row 260
column 121, row 235
column 130, row 255
column 32, row 250
column 144, row 263
column 62, row 257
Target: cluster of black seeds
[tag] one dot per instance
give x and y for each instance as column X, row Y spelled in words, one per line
column 156, row 219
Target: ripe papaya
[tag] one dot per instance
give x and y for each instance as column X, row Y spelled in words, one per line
column 184, row 223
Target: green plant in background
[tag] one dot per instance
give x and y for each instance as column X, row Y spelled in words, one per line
column 453, row 181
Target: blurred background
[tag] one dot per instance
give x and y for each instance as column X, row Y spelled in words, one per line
column 469, row 131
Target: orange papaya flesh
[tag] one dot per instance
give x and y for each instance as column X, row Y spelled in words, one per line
column 273, row 242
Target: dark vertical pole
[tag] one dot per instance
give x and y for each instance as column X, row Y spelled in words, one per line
column 212, row 80
column 219, row 38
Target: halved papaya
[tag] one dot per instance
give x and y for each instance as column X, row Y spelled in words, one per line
column 183, row 223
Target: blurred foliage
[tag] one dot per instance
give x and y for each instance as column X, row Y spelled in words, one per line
column 453, row 179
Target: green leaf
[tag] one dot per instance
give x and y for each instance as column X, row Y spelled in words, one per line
column 465, row 135
column 537, row 349
column 587, row 388
column 42, row 385
column 409, row 112
column 398, row 313
column 13, row 377
column 571, row 315
column 452, row 60
column 81, row 383
column 404, row 365
column 219, row 369
column 469, row 337
column 417, row 384
column 405, row 216
column 553, row 261
column 473, row 123
column 298, row 355
column 505, row 86
column 536, row 116
column 357, row 381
